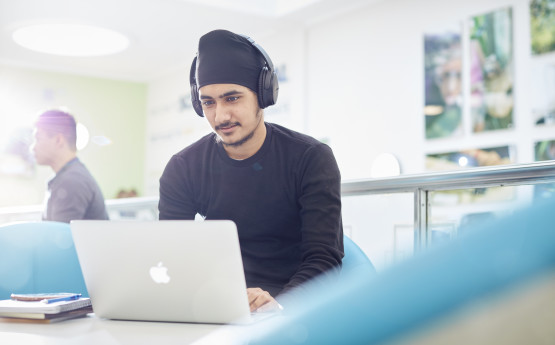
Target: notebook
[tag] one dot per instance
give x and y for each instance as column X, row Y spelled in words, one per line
column 177, row 271
column 10, row 306
column 39, row 312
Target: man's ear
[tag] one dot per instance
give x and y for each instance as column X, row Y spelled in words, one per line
column 60, row 139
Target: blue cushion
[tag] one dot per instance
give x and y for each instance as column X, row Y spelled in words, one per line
column 368, row 309
column 355, row 260
column 38, row 257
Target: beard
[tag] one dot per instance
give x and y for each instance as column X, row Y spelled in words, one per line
column 243, row 139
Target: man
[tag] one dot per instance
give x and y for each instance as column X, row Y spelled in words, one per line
column 280, row 187
column 72, row 192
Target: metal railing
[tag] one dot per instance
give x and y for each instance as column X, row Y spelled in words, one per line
column 126, row 208
column 422, row 184
column 419, row 184
column 137, row 208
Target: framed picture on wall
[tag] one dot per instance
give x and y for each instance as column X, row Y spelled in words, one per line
column 491, row 70
column 542, row 26
column 443, row 84
column 470, row 158
column 544, row 150
column 542, row 92
column 542, row 66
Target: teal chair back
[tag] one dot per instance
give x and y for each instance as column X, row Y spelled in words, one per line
column 489, row 261
column 38, row 257
column 355, row 261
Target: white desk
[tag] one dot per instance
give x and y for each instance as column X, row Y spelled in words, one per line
column 94, row 331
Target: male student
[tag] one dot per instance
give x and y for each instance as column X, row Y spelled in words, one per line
column 72, row 192
column 280, row 187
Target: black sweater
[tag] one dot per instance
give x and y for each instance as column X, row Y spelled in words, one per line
column 285, row 201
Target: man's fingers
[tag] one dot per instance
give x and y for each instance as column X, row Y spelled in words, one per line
column 258, row 297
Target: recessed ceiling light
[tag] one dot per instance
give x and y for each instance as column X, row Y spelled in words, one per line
column 70, row 39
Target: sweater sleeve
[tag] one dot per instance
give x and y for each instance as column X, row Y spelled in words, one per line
column 176, row 199
column 320, row 210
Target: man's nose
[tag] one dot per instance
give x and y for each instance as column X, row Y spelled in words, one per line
column 222, row 113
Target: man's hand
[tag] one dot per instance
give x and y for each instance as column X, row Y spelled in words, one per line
column 262, row 301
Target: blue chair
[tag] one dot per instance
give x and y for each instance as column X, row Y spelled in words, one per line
column 38, row 257
column 355, row 261
column 491, row 260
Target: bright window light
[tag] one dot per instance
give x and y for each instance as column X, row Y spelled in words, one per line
column 70, row 39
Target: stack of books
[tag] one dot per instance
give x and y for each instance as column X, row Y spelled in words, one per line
column 44, row 308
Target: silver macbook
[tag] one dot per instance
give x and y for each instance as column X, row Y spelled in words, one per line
column 178, row 271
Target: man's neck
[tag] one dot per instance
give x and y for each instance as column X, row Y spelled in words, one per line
column 62, row 161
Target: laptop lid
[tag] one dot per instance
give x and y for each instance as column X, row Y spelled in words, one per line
column 180, row 271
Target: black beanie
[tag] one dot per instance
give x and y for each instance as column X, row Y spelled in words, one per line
column 227, row 58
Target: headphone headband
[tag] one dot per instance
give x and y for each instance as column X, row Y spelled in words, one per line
column 268, row 87
column 262, row 52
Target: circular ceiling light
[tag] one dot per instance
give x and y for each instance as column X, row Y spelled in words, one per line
column 70, row 39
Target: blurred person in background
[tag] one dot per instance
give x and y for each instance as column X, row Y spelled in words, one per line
column 73, row 192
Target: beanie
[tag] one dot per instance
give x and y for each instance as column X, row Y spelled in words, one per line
column 227, row 58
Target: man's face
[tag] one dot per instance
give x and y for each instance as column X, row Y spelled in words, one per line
column 232, row 111
column 44, row 146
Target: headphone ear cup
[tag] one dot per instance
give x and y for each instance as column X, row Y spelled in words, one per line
column 267, row 88
column 261, row 88
column 274, row 88
column 195, row 99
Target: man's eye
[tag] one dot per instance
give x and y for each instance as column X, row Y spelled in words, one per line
column 232, row 98
column 207, row 103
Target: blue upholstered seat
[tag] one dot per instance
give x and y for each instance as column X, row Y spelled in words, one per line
column 38, row 257
column 489, row 260
column 355, row 261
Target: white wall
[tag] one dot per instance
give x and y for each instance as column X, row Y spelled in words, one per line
column 365, row 82
column 356, row 82
column 288, row 53
column 172, row 124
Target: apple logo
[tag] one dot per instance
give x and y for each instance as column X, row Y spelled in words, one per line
column 159, row 274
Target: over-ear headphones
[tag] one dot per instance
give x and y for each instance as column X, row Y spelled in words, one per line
column 268, row 86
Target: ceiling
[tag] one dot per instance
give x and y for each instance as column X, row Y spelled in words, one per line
column 163, row 33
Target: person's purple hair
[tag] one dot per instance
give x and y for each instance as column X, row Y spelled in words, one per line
column 59, row 122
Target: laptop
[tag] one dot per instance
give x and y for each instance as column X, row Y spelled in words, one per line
column 176, row 270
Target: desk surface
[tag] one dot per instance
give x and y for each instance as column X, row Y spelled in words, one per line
column 92, row 330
